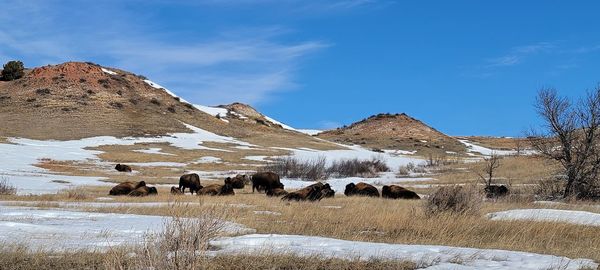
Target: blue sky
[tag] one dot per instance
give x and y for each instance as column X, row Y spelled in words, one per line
column 464, row 67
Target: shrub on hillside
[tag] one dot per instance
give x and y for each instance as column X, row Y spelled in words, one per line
column 357, row 167
column 454, row 200
column 13, row 70
column 309, row 170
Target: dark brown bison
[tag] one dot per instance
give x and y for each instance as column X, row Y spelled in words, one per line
column 125, row 188
column 176, row 191
column 310, row 193
column 495, row 191
column 361, row 189
column 143, row 191
column 398, row 192
column 123, row 168
column 314, row 192
column 191, row 181
column 237, row 182
column 265, row 181
column 276, row 192
column 217, row 190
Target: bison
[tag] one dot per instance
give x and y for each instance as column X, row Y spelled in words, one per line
column 125, row 188
column 265, row 181
column 276, row 192
column 495, row 191
column 176, row 190
column 238, row 182
column 143, row 191
column 123, row 168
column 398, row 192
column 217, row 190
column 191, row 181
column 361, row 189
column 314, row 192
column 310, row 193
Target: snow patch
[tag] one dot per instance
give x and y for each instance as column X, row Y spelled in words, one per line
column 439, row 257
column 108, row 71
column 552, row 215
column 156, row 151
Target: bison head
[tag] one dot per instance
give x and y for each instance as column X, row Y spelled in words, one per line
column 349, row 189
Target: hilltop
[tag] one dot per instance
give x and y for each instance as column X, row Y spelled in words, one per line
column 394, row 131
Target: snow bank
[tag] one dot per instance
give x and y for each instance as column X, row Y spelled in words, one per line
column 310, row 132
column 209, row 159
column 484, row 150
column 156, row 151
column 53, row 229
column 108, row 71
column 436, row 257
column 158, row 86
column 553, row 215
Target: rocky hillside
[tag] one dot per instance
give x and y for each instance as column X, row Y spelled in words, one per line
column 395, row 131
column 76, row 100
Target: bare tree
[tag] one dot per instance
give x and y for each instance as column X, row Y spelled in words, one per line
column 491, row 164
column 571, row 138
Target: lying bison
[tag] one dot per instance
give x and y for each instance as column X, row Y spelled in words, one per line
column 310, row 193
column 276, row 192
column 314, row 192
column 191, row 181
column 361, row 189
column 237, row 182
column 217, row 190
column 176, row 191
column 123, row 168
column 143, row 191
column 125, row 188
column 398, row 192
column 265, row 181
column 495, row 191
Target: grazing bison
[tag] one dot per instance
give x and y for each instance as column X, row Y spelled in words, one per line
column 265, row 181
column 276, row 192
column 361, row 189
column 125, row 188
column 143, row 191
column 398, row 192
column 238, row 182
column 176, row 191
column 495, row 191
column 191, row 181
column 217, row 190
column 123, row 168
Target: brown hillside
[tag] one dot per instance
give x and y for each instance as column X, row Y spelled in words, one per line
column 75, row 100
column 394, row 131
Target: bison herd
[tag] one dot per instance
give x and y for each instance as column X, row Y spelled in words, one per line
column 267, row 182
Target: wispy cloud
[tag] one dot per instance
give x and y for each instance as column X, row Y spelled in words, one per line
column 248, row 65
column 518, row 54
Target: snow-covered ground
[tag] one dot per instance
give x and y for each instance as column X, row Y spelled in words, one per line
column 209, row 159
column 156, row 151
column 473, row 148
column 20, row 155
column 552, row 215
column 429, row 257
column 68, row 230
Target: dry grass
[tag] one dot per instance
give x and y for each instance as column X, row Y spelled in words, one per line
column 459, row 200
column 389, row 221
column 6, row 188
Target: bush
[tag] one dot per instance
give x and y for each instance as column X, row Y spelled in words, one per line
column 6, row 188
column 406, row 170
column 356, row 167
column 454, row 200
column 550, row 189
column 13, row 70
column 310, row 170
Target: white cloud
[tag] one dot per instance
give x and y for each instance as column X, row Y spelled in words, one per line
column 247, row 64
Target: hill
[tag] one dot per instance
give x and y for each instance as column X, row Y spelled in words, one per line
column 394, row 131
column 76, row 100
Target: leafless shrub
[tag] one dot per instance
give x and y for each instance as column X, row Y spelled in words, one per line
column 406, row 170
column 6, row 188
column 309, row 170
column 183, row 241
column 357, row 167
column 550, row 189
column 454, row 200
